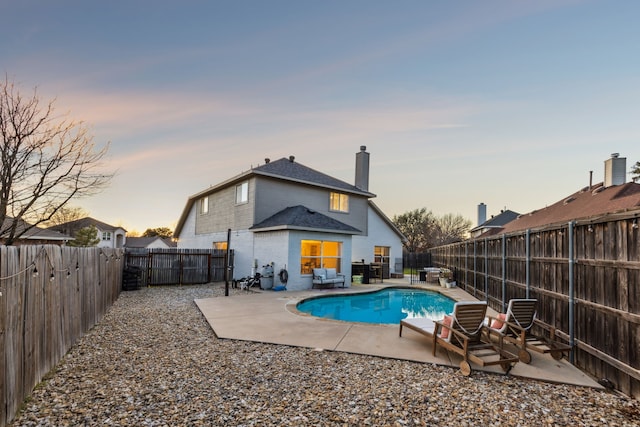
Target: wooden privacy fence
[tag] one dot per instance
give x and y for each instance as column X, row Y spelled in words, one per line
column 586, row 277
column 180, row 266
column 50, row 296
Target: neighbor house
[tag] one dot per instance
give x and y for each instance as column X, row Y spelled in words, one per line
column 496, row 222
column 32, row 235
column 294, row 218
column 110, row 236
column 612, row 195
column 154, row 242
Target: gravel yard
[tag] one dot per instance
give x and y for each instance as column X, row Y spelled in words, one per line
column 154, row 361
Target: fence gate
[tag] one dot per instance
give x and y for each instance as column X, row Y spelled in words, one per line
column 180, row 266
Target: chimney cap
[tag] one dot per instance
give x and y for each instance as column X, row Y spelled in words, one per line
column 615, row 155
column 363, row 148
column 291, row 158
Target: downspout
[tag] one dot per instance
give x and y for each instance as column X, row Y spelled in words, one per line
column 528, row 262
column 571, row 291
column 504, row 272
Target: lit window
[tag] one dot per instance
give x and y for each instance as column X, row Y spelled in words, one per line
column 106, row 235
column 220, row 245
column 242, row 193
column 339, row 202
column 381, row 254
column 319, row 254
column 204, row 205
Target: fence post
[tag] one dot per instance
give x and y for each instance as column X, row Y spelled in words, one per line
column 226, row 264
column 486, row 269
column 571, row 290
column 504, row 272
column 528, row 262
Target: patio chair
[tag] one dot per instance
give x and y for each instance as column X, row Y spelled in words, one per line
column 462, row 333
column 516, row 327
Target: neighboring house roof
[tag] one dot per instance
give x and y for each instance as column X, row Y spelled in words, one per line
column 386, row 219
column 302, row 218
column 282, row 169
column 586, row 203
column 72, row 226
column 497, row 221
column 143, row 242
column 35, row 233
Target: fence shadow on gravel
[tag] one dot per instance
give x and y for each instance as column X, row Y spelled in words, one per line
column 50, row 296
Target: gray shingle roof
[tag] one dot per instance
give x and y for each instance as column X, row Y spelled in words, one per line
column 498, row 221
column 290, row 170
column 35, row 233
column 302, row 218
column 72, row 226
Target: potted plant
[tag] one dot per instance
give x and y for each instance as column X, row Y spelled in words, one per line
column 445, row 277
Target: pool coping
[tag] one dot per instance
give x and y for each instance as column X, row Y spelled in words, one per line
column 267, row 317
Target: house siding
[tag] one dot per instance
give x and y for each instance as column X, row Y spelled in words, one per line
column 299, row 281
column 272, row 196
column 224, row 213
column 380, row 234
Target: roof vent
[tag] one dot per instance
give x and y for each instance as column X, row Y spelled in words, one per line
column 569, row 200
column 291, row 158
column 266, row 161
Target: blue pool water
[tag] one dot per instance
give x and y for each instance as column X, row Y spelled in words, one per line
column 388, row 306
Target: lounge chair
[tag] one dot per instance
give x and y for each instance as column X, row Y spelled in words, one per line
column 515, row 326
column 462, row 333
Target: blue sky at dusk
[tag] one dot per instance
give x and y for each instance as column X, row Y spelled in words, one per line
column 509, row 103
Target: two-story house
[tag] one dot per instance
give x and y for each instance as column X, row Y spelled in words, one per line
column 110, row 236
column 294, row 217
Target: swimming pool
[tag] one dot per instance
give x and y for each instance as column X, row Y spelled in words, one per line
column 388, row 306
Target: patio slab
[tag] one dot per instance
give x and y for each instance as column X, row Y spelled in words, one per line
column 271, row 317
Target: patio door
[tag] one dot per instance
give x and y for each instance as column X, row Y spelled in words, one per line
column 381, row 256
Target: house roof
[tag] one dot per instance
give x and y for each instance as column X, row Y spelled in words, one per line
column 82, row 223
column 586, row 203
column 35, row 233
column 497, row 221
column 286, row 169
column 143, row 242
column 302, row 218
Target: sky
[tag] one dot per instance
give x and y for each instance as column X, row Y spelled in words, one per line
column 506, row 103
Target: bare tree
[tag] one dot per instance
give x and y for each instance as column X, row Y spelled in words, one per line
column 46, row 161
column 66, row 214
column 451, row 228
column 635, row 172
column 164, row 232
column 417, row 227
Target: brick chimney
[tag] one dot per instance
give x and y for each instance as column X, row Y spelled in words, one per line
column 362, row 169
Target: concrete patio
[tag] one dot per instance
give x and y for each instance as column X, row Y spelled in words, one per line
column 272, row 317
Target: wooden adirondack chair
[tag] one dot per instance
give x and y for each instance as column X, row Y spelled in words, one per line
column 515, row 326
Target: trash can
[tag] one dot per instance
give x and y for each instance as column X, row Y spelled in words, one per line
column 266, row 279
column 131, row 277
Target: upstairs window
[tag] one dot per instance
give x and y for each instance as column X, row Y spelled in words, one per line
column 242, row 193
column 204, row 205
column 339, row 202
